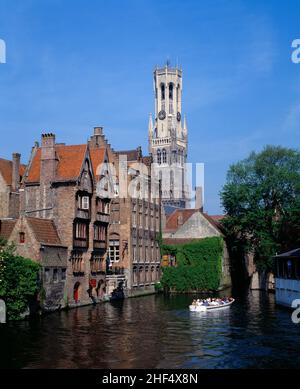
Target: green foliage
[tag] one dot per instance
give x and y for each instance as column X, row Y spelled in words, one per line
column 261, row 199
column 199, row 265
column 18, row 281
column 158, row 287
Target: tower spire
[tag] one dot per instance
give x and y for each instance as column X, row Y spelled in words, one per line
column 150, row 132
column 150, row 126
column 170, row 144
column 184, row 126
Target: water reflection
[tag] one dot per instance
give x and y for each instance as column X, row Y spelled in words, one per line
column 156, row 331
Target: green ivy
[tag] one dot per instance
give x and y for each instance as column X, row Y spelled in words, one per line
column 199, row 265
column 18, row 281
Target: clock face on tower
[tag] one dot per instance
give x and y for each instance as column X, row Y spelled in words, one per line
column 178, row 116
column 162, row 115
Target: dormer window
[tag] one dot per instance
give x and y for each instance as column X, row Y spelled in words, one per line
column 84, row 202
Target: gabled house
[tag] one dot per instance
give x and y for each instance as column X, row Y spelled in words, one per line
column 186, row 225
column 135, row 225
column 38, row 239
column 60, row 185
column 11, row 173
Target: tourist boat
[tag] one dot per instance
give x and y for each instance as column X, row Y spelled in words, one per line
column 204, row 308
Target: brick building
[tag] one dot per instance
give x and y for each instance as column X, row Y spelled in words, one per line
column 86, row 242
column 60, row 185
column 186, row 225
column 135, row 222
column 38, row 240
column 11, row 173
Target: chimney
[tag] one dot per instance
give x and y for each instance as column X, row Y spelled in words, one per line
column 48, row 157
column 139, row 153
column 98, row 130
column 15, row 182
column 97, row 140
column 199, row 198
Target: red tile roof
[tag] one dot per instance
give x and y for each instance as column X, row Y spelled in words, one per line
column 70, row 159
column 132, row 155
column 34, row 169
column 97, row 158
column 6, row 170
column 44, row 230
column 215, row 220
column 6, row 228
column 217, row 217
column 172, row 220
column 69, row 162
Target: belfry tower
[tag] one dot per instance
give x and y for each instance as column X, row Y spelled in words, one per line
column 168, row 136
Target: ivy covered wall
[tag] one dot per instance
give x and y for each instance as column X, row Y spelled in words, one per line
column 198, row 265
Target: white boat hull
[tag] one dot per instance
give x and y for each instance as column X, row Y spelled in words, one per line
column 204, row 308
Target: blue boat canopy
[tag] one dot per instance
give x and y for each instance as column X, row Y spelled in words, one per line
column 289, row 254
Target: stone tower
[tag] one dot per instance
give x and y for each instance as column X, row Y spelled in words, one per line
column 168, row 136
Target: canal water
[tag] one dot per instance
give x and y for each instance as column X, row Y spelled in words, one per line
column 156, row 332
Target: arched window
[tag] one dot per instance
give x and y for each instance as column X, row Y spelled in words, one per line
column 157, row 272
column 141, row 275
column 171, row 183
column 171, row 87
column 135, row 275
column 164, row 154
column 152, row 273
column 179, row 220
column 162, row 87
column 158, row 156
column 180, row 155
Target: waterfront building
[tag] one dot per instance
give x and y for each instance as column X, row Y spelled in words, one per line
column 287, row 277
column 135, row 224
column 38, row 239
column 187, row 225
column 60, row 184
column 86, row 242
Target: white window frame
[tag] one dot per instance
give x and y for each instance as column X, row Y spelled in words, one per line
column 114, row 251
column 85, row 202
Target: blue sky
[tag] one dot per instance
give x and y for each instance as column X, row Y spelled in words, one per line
column 75, row 64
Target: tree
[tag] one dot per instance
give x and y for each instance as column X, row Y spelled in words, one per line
column 262, row 201
column 18, row 280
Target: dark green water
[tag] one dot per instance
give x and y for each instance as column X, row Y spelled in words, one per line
column 156, row 331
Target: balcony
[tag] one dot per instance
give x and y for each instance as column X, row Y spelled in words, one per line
column 116, row 271
column 80, row 243
column 83, row 214
column 78, row 273
column 102, row 217
column 99, row 244
column 161, row 141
